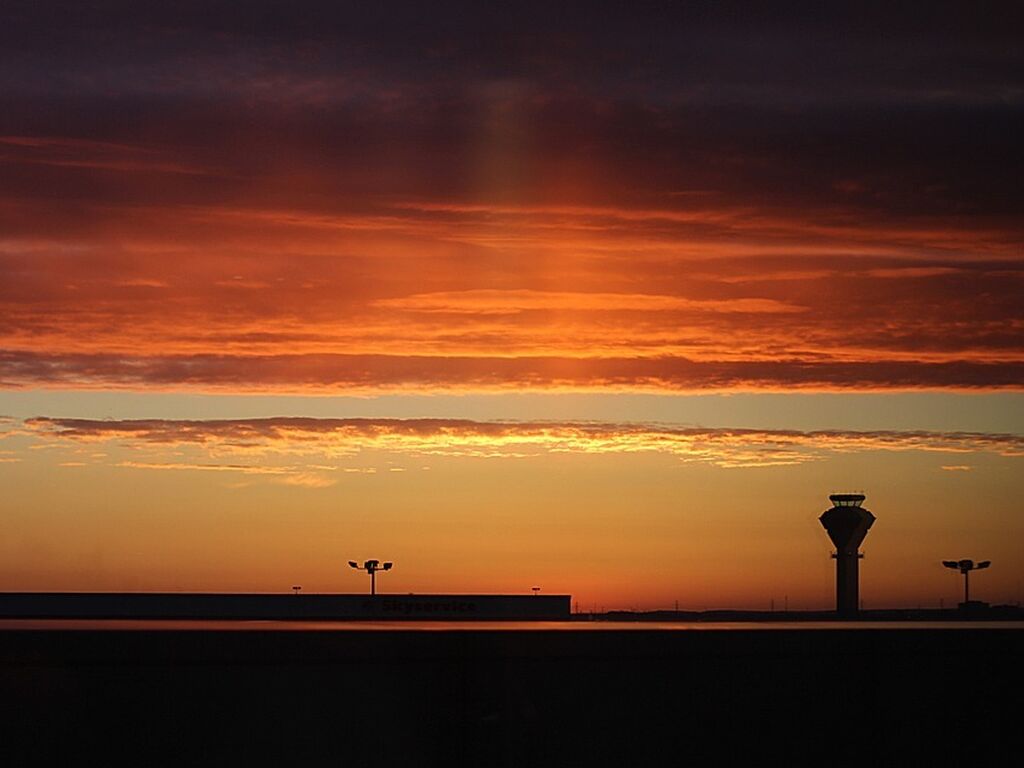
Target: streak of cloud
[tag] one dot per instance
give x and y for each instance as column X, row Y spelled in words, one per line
column 728, row 448
column 317, row 373
column 287, row 475
column 515, row 301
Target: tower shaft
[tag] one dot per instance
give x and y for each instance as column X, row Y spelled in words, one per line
column 847, row 584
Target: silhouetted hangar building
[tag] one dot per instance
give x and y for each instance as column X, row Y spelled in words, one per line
column 141, row 605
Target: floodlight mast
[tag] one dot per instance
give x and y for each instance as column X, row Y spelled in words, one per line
column 965, row 567
column 371, row 567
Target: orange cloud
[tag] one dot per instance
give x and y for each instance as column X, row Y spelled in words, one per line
column 69, row 152
column 156, row 287
column 727, row 448
column 500, row 302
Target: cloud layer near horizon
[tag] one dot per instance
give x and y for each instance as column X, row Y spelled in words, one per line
column 474, row 199
column 247, row 445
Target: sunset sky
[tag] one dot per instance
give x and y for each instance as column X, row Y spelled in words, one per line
column 601, row 301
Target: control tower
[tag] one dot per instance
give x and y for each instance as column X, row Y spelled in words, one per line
column 847, row 524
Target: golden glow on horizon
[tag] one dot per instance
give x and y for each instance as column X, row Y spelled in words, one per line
column 619, row 515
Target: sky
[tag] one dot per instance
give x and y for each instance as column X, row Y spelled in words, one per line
column 605, row 300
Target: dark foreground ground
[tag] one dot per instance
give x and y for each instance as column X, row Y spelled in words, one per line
column 514, row 698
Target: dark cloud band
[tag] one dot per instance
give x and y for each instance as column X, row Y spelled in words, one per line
column 334, row 373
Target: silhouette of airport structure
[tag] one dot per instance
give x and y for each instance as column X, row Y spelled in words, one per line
column 310, row 607
column 965, row 567
column 847, row 523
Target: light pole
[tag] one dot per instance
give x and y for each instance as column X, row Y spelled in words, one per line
column 371, row 567
column 965, row 567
